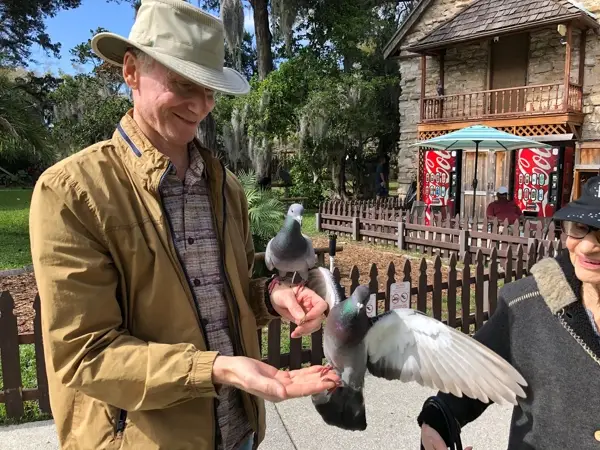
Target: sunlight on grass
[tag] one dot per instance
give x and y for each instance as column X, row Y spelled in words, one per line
column 14, row 228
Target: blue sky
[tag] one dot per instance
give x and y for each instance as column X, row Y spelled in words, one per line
column 72, row 27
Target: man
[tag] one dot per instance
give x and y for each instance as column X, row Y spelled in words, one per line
column 503, row 208
column 143, row 253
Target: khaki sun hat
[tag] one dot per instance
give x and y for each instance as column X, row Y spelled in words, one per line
column 180, row 36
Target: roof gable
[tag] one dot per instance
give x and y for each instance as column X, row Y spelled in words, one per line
column 488, row 17
column 410, row 20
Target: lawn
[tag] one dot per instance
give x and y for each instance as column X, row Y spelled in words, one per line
column 14, row 228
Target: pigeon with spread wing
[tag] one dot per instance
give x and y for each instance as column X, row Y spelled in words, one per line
column 402, row 344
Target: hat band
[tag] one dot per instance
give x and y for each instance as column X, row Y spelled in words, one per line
column 201, row 55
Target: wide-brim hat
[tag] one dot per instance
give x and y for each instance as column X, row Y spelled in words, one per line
column 183, row 38
column 586, row 209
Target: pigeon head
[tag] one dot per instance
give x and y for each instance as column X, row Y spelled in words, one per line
column 350, row 317
column 296, row 210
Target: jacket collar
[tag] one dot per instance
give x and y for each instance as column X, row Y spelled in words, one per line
column 556, row 281
column 138, row 153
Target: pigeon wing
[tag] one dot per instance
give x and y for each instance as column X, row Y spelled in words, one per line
column 322, row 282
column 408, row 345
column 311, row 256
column 269, row 257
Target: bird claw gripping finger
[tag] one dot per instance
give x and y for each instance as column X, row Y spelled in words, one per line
column 326, row 368
column 274, row 282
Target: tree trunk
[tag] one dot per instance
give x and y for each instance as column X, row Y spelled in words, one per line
column 263, row 37
column 207, row 133
column 338, row 176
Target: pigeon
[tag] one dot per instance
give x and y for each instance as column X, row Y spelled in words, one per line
column 402, row 344
column 290, row 250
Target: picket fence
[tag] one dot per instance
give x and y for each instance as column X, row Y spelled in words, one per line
column 462, row 297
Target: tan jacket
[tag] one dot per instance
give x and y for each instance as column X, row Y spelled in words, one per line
column 121, row 333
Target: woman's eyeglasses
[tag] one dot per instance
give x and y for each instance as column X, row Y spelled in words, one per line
column 578, row 230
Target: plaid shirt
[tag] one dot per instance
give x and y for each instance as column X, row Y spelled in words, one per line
column 188, row 208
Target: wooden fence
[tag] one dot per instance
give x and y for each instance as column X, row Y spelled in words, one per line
column 443, row 237
column 450, row 293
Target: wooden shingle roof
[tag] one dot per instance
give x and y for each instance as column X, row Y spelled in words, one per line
column 484, row 18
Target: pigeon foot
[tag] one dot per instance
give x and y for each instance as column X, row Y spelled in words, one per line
column 274, row 282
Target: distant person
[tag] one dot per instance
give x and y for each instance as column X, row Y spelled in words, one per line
column 381, row 172
column 503, row 208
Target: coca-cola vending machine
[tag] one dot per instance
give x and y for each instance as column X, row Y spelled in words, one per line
column 543, row 179
column 440, row 181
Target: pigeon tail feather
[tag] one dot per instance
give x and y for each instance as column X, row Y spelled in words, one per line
column 343, row 408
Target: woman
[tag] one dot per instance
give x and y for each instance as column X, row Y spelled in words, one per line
column 546, row 325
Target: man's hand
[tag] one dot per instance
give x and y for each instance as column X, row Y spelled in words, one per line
column 299, row 305
column 432, row 440
column 263, row 380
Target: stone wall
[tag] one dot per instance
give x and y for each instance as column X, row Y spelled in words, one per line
column 466, row 70
column 591, row 80
column 410, row 81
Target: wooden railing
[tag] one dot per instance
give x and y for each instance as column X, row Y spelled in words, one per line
column 497, row 103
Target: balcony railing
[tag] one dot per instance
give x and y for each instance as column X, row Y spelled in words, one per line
column 499, row 103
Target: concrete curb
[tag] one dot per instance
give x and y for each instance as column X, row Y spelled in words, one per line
column 13, row 272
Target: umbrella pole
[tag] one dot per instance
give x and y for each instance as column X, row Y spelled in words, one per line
column 475, row 179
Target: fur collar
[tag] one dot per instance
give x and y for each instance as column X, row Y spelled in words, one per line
column 556, row 281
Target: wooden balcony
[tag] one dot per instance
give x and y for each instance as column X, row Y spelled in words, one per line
column 513, row 103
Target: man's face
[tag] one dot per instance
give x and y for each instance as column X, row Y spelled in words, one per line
column 502, row 197
column 169, row 104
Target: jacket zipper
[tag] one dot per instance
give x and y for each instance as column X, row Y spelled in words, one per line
column 122, row 413
column 237, row 326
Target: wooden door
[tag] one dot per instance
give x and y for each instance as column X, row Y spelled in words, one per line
column 508, row 69
column 483, row 180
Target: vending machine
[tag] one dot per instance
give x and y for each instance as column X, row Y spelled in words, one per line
column 543, row 179
column 440, row 180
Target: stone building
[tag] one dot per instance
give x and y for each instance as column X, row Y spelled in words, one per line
column 523, row 66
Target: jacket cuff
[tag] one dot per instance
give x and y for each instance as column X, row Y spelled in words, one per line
column 433, row 417
column 260, row 301
column 201, row 374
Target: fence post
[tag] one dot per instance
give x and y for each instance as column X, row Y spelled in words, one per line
column 10, row 357
column 355, row 228
column 40, row 362
column 463, row 244
column 401, row 235
column 532, row 244
column 318, row 221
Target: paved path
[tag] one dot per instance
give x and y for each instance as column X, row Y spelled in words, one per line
column 392, row 408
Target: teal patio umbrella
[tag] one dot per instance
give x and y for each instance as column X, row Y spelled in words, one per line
column 479, row 135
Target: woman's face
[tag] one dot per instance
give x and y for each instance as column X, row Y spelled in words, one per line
column 584, row 253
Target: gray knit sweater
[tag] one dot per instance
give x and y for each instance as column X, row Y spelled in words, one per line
column 542, row 328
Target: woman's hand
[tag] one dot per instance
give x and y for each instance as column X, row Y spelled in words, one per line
column 263, row 380
column 432, row 440
column 301, row 306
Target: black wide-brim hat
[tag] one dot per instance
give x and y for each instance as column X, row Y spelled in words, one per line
column 586, row 209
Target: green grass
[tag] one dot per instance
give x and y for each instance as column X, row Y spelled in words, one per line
column 14, row 228
column 29, row 380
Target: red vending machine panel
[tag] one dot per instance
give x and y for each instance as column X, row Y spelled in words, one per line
column 439, row 183
column 537, row 174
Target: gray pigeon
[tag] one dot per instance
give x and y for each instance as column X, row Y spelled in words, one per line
column 290, row 251
column 406, row 345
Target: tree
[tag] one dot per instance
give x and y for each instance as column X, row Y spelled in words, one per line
column 23, row 26
column 24, row 137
